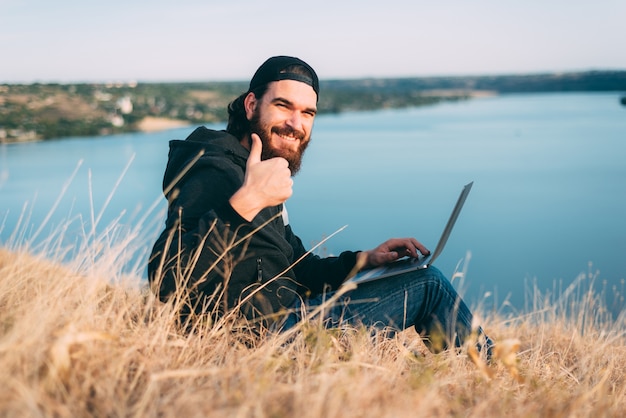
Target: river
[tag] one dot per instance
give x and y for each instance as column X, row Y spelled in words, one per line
column 548, row 201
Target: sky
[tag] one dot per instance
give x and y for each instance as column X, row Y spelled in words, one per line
column 207, row 40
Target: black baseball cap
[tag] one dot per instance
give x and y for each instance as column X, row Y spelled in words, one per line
column 274, row 70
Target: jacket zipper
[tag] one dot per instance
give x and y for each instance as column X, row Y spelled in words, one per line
column 259, row 270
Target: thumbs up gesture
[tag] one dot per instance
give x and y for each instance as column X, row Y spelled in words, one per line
column 266, row 183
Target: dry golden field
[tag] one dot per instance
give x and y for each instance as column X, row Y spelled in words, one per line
column 83, row 339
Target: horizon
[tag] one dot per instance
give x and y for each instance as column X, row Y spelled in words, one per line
column 70, row 41
column 347, row 78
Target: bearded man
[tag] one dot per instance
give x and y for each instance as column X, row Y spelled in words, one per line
column 228, row 244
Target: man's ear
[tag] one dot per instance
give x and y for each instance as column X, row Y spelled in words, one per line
column 249, row 103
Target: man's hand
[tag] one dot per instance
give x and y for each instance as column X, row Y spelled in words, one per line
column 267, row 183
column 392, row 250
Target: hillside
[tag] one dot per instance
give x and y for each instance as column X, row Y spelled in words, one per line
column 45, row 111
column 84, row 340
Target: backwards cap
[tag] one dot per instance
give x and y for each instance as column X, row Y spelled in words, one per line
column 274, row 70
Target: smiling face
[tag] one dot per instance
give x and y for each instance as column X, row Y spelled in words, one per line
column 283, row 119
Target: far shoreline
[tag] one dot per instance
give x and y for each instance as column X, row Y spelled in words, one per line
column 156, row 124
column 149, row 124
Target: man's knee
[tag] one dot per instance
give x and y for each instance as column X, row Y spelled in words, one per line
column 436, row 277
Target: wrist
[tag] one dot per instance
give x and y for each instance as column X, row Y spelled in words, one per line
column 362, row 260
column 244, row 204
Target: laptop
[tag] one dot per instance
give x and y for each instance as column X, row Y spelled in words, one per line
column 423, row 261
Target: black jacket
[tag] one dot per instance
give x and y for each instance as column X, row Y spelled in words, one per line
column 210, row 249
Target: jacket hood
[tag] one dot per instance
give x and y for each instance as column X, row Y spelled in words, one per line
column 198, row 148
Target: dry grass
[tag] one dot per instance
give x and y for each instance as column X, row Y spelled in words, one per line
column 83, row 339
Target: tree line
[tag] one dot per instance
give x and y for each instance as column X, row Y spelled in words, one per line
column 45, row 111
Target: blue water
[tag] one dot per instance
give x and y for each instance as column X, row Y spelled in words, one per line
column 549, row 193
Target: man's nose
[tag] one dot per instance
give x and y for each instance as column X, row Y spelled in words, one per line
column 295, row 121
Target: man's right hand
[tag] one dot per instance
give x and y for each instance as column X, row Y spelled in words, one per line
column 266, row 183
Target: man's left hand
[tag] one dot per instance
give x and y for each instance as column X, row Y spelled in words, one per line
column 392, row 250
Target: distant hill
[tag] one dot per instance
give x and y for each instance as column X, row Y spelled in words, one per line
column 46, row 111
column 528, row 83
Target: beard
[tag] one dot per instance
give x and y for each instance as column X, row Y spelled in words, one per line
column 294, row 158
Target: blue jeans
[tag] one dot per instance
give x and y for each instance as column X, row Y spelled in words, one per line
column 424, row 299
